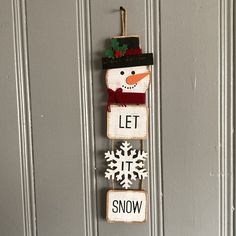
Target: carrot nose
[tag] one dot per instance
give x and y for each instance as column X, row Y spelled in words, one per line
column 133, row 79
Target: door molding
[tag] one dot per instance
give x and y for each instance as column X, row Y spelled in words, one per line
column 87, row 116
column 24, row 116
column 154, row 143
column 226, row 109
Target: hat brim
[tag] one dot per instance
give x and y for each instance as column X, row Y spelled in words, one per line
column 127, row 61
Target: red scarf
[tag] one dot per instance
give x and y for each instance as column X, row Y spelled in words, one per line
column 122, row 98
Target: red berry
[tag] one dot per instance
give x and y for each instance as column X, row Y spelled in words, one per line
column 118, row 54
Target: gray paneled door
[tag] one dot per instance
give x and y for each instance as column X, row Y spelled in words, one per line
column 53, row 123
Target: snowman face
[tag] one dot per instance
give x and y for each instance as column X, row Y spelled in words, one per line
column 131, row 79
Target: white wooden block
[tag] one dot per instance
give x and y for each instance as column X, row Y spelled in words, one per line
column 128, row 206
column 130, row 122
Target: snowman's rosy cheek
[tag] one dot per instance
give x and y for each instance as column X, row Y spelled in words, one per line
column 118, row 84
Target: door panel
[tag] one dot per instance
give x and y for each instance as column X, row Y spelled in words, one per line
column 56, row 117
column 53, row 103
column 108, row 16
column 189, row 76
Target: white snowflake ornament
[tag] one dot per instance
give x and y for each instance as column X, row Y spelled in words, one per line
column 126, row 165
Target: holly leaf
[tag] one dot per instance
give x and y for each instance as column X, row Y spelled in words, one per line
column 109, row 53
column 123, row 49
column 114, row 44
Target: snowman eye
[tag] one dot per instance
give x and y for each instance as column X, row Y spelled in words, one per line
column 122, row 72
column 133, row 72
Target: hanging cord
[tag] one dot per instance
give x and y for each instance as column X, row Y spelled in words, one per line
column 123, row 16
column 141, row 181
column 113, row 148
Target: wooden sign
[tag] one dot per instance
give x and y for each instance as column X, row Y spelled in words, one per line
column 128, row 206
column 127, row 122
column 128, row 76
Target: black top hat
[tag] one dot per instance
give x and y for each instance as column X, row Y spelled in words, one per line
column 126, row 52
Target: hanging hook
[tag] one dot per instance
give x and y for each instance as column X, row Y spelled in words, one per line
column 123, row 16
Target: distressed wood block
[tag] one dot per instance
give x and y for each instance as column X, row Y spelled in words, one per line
column 130, row 122
column 127, row 206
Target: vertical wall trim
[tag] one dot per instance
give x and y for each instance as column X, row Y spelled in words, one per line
column 87, row 119
column 226, row 118
column 24, row 116
column 156, row 213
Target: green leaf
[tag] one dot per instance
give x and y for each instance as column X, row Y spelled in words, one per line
column 109, row 53
column 123, row 48
column 114, row 44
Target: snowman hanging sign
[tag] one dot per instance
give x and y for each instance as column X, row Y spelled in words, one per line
column 127, row 78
